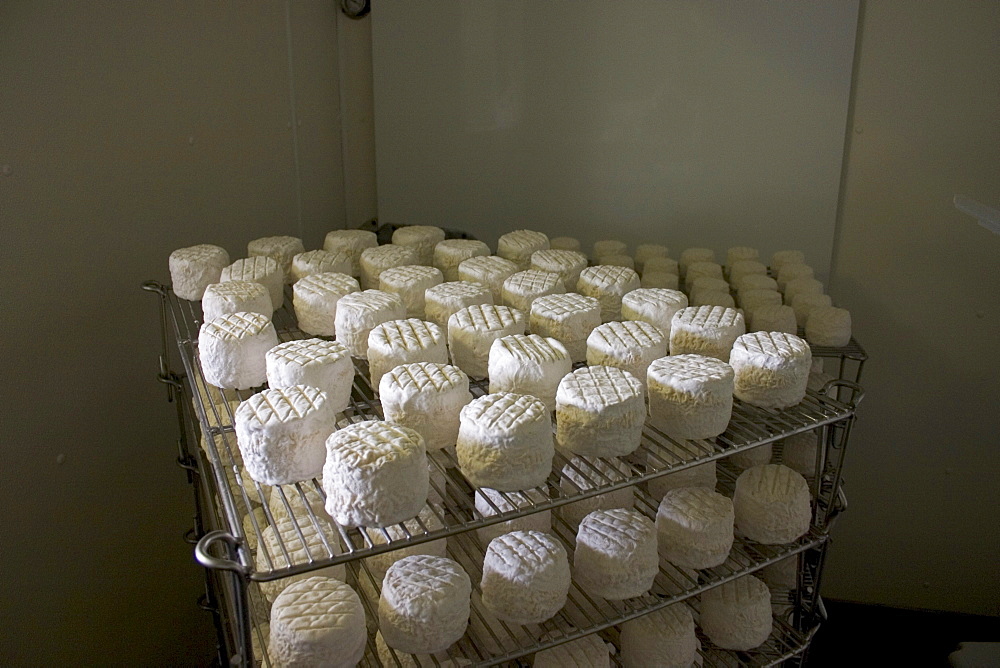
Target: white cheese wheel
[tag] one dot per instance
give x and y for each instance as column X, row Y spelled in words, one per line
column 803, row 304
column 263, row 270
column 629, row 345
column 706, row 330
column 376, row 260
column 582, row 474
column 281, row 248
column 505, row 442
column 740, row 253
column 194, row 268
column 472, row 331
column 522, row 288
column 317, row 622
column 755, row 456
column 663, row 638
column 586, row 652
column 425, row 522
column 802, row 286
column 751, row 299
column 659, row 279
column 772, row 319
column 799, row 452
column 426, row 397
column 771, row 369
column 375, row 474
column 528, row 364
column 712, row 298
column 754, row 282
column 608, row 247
column 708, row 283
column 282, row 431
column 691, row 255
column 737, row 614
column 616, row 261
column 351, row 242
column 695, row 527
column 569, row 318
column 790, row 271
column 564, row 243
column 615, row 556
column 315, row 300
column 450, row 253
column 526, row 577
column 235, row 297
column 490, row 271
column 645, row 252
column 283, row 547
column 358, row 313
column 490, row 502
column 608, row 285
column 772, row 504
column 425, row 604
column 783, row 257
column 421, row 238
column 325, row 365
column 656, row 306
column 517, row 246
column 445, row 299
column 699, row 475
column 410, row 282
column 829, row 326
column 393, row 659
column 319, row 262
column 231, row 349
column 403, row 342
column 566, row 263
column 662, row 264
column 690, row 396
column 703, row 269
column 742, row 268
column 600, row 412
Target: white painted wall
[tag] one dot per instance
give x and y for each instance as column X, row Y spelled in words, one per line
column 686, row 123
column 921, row 281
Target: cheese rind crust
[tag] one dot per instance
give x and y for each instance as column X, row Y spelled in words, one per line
column 285, row 532
column 615, row 556
column 521, row 289
column 317, row 621
column 578, row 476
column 491, row 502
column 194, row 268
column 315, row 301
column 772, row 504
column 570, row 318
column 706, row 330
column 690, row 396
column 374, row 261
column 737, row 614
column 566, row 263
column 322, row 364
column 586, row 652
column 235, row 297
column 664, row 637
column 351, row 242
column 281, row 248
column 445, row 299
column 695, row 527
column 829, row 326
column 260, row 269
column 425, row 603
column 428, row 398
column 608, row 284
column 410, row 282
column 421, row 238
column 403, row 342
column 319, row 262
column 656, row 306
column 358, row 313
column 472, row 331
column 771, row 369
column 526, row 577
column 528, row 364
column 600, row 412
column 629, row 345
column 232, row 347
column 517, row 246
column 450, row 253
column 489, row 271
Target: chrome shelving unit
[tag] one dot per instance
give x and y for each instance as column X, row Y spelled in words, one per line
column 224, row 497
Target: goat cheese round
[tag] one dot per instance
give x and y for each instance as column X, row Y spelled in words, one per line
column 699, row 475
column 375, row 474
column 586, row 652
column 526, row 577
column 646, row 252
column 697, row 270
column 663, row 638
column 376, row 260
column 522, row 288
column 755, row 456
column 351, row 242
column 741, row 254
column 315, row 299
column 783, row 257
column 319, row 262
column 505, row 442
column 517, row 246
column 691, row 255
column 421, row 238
column 616, row 261
column 566, row 263
column 281, row 248
column 359, row 313
column 281, row 433
column 751, row 299
column 403, row 342
column 232, row 347
column 317, row 622
column 472, row 331
column 325, row 365
column 490, row 502
column 772, row 319
column 664, row 265
column 656, row 306
column 659, row 279
column 608, row 247
column 690, row 396
column 803, row 305
column 790, row 271
column 425, row 522
column 395, row 659
column 706, row 330
column 568, row 318
column 450, row 253
column 445, row 299
column 564, row 243
column 410, row 282
column 737, row 614
column 489, row 271
column 528, row 364
column 194, row 268
column 426, row 397
column 695, row 527
column 802, row 286
column 233, row 297
column 582, row 474
column 771, row 369
column 263, row 270
column 608, row 284
column 829, row 326
column 425, row 604
column 600, row 411
column 630, row 345
column 615, row 556
column 282, row 546
column 712, row 298
column 743, row 268
column 772, row 504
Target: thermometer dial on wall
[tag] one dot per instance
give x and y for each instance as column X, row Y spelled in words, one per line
column 356, row 9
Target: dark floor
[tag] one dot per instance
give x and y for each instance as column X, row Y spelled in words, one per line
column 856, row 634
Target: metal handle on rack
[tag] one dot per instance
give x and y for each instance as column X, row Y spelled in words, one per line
column 857, row 392
column 208, row 560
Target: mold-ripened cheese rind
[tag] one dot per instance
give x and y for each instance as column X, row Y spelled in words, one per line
column 569, row 318
column 491, row 502
column 376, row 260
column 489, row 271
column 690, row 396
column 319, row 262
column 664, row 637
column 615, row 556
column 445, row 299
column 325, row 365
column 771, row 503
column 318, row 621
column 427, row 397
column 289, row 534
column 608, row 284
column 315, row 300
column 404, row 342
column 528, row 364
column 600, row 412
column 706, row 330
column 410, row 282
column 260, row 269
column 232, row 347
column 695, row 527
column 737, row 614
column 829, row 326
column 351, row 242
column 358, row 313
column 586, row 652
column 771, row 369
column 566, row 263
column 281, row 248
column 519, row 290
column 194, row 268
column 234, row 297
column 656, row 306
column 450, row 253
column 517, row 246
column 578, row 476
column 472, row 331
column 630, row 345
column 421, row 238
column 526, row 577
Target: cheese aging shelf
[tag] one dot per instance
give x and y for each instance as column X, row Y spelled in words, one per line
column 232, row 511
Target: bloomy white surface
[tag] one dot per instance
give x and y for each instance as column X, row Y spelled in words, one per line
column 608, row 285
column 829, row 326
column 519, row 290
column 491, row 502
column 615, row 556
column 231, row 349
column 600, row 412
column 578, row 475
column 656, row 306
column 517, row 246
column 421, row 238
column 318, row 621
column 403, row 342
column 690, row 396
column 488, row 270
column 629, row 345
column 566, row 263
column 472, row 331
column 194, row 268
column 737, row 615
column 426, row 520
column 528, row 364
column 526, row 577
column 772, row 504
column 771, row 369
column 234, row 297
column 586, row 652
column 706, row 330
column 319, row 262
column 427, row 397
column 281, row 248
column 445, row 299
column 570, row 318
column 425, row 604
column 664, row 637
column 286, row 532
column 263, row 270
column 450, row 253
column 376, row 260
column 315, row 301
column 325, row 365
column 352, row 242
column 410, row 282
column 695, row 527
column 358, row 313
